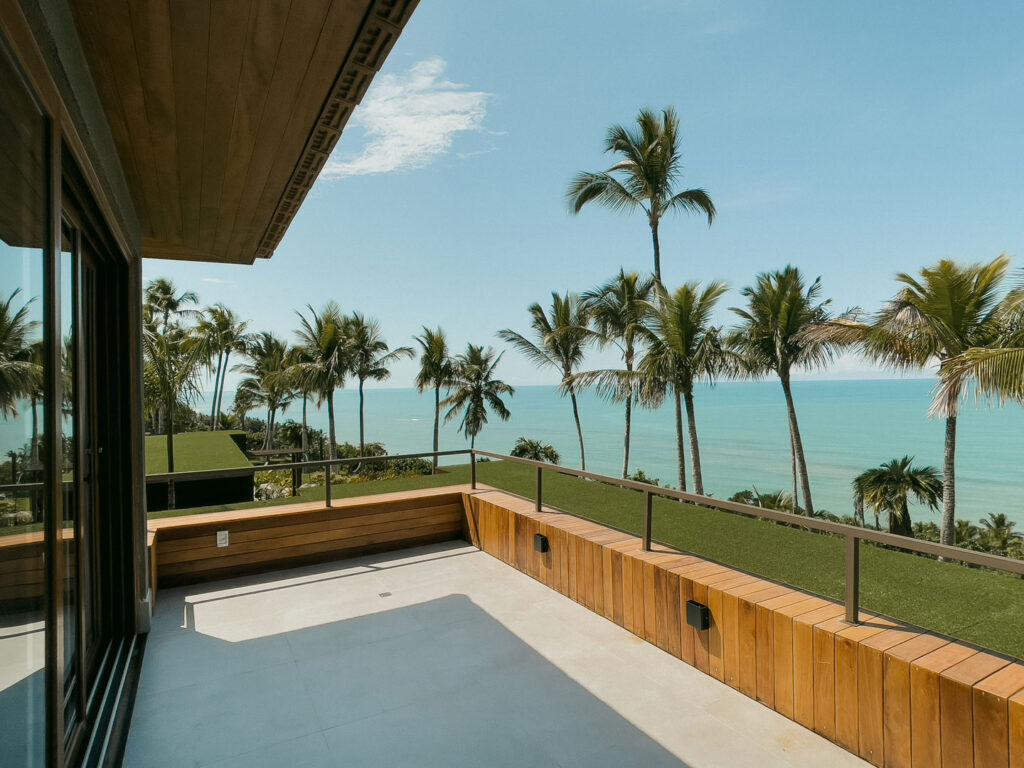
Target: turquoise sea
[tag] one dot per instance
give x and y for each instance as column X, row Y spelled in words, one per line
column 847, row 426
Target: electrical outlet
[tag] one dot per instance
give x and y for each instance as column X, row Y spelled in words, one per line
column 222, row 538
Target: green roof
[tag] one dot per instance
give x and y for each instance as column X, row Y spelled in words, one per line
column 194, row 451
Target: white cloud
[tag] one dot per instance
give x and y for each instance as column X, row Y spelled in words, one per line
column 409, row 119
column 217, row 280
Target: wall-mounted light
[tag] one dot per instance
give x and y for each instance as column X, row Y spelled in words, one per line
column 540, row 543
column 697, row 615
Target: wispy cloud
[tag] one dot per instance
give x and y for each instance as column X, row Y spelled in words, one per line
column 216, row 280
column 409, row 119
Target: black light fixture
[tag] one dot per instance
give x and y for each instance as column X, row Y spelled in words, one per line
column 540, row 543
column 697, row 615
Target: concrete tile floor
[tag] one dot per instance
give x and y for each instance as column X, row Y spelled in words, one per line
column 437, row 656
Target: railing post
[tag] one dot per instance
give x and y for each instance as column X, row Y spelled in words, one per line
column 472, row 470
column 540, row 489
column 852, row 579
column 327, row 483
column 648, row 513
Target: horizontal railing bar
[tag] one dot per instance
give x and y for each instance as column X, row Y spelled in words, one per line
column 995, row 562
column 20, row 487
column 212, row 474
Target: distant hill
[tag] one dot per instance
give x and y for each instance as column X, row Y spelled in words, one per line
column 194, row 451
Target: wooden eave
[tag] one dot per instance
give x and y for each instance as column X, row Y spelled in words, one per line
column 224, row 113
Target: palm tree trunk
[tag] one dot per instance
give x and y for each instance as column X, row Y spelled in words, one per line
column 698, row 480
column 657, row 250
column 680, row 457
column 792, row 454
column 220, row 391
column 579, row 429
column 472, row 442
column 305, row 434
column 362, row 439
column 216, row 383
column 947, row 534
column 266, row 437
column 437, row 422
column 169, row 406
column 629, row 417
column 798, row 450
column 330, row 420
column 34, row 450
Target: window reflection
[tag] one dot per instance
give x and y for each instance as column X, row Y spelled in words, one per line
column 22, row 234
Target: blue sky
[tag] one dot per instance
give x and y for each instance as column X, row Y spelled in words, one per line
column 854, row 140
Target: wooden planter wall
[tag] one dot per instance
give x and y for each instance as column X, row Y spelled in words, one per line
column 892, row 694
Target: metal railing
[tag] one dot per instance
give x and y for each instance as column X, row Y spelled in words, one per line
column 853, row 535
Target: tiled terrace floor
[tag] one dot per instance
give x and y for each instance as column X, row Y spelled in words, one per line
column 438, row 656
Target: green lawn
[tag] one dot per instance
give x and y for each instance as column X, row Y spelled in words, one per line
column 194, row 451
column 971, row 604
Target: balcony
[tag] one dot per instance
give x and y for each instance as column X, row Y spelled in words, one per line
column 433, row 631
column 438, row 655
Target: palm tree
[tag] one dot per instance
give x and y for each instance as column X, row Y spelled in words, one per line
column 296, row 358
column 369, row 358
column 999, row 533
column 475, row 388
column 772, row 337
column 268, row 381
column 245, row 401
column 172, row 363
column 226, row 334
column 886, row 488
column 645, row 177
column 686, row 348
column 20, row 374
column 536, row 450
column 325, row 341
column 619, row 310
column 940, row 315
column 560, row 341
column 165, row 302
column 436, row 371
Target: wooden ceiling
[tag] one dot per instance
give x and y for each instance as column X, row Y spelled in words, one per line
column 225, row 112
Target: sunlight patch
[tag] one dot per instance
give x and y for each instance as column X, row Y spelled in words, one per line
column 409, row 119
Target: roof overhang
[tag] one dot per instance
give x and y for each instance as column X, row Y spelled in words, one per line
column 224, row 113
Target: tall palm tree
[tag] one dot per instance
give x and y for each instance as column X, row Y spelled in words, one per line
column 20, row 375
column 618, row 310
column 436, row 371
column 645, row 177
column 297, row 357
column 475, row 388
column 686, row 348
column 267, row 378
column 887, row 488
column 172, row 363
column 536, row 450
column 772, row 337
column 369, row 359
column 165, row 302
column 226, row 334
column 560, row 341
column 325, row 340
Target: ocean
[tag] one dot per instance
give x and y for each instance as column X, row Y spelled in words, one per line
column 847, row 427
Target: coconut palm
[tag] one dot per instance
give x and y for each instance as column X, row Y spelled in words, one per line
column 536, row 450
column 686, row 348
column 474, row 389
column 561, row 337
column 436, row 371
column 20, row 374
column 887, row 488
column 267, row 378
column 369, row 358
column 771, row 337
column 226, row 334
column 172, row 364
column 165, row 303
column 645, row 177
column 997, row 530
column 245, row 401
column 619, row 310
column 296, row 358
column 323, row 336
